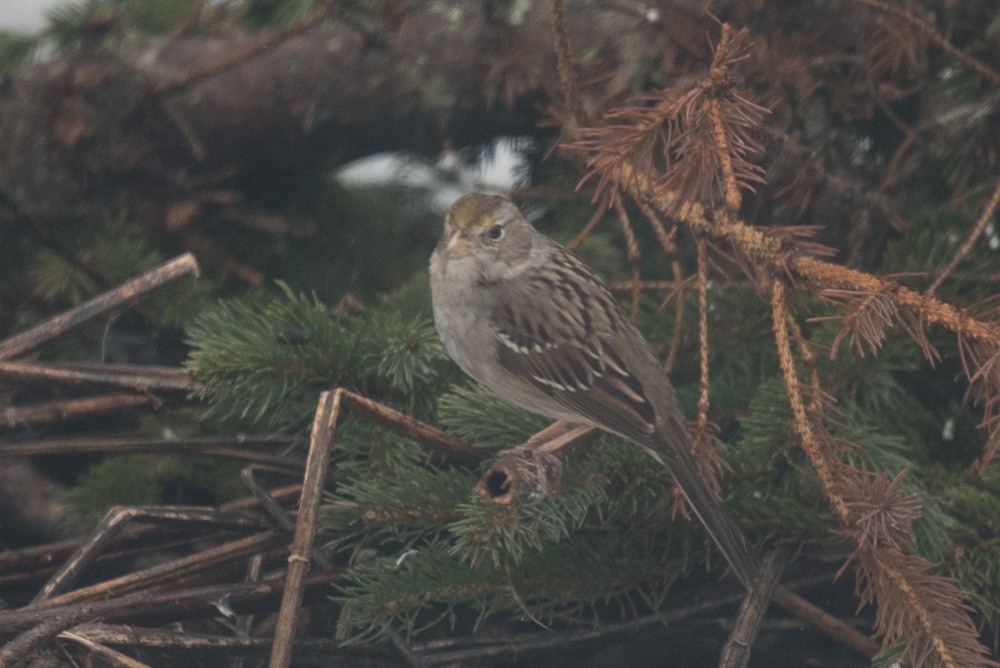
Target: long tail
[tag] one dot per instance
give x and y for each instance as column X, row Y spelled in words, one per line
column 708, row 507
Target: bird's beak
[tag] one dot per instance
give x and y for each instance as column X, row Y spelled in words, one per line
column 458, row 244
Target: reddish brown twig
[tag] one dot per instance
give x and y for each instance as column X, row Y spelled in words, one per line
column 824, row 621
column 447, row 446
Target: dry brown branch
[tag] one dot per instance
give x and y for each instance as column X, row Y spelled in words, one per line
column 57, row 411
column 694, row 143
column 932, row 33
column 29, row 372
column 317, row 463
column 570, row 90
column 808, row 438
column 701, row 431
column 620, row 159
column 736, row 651
column 770, row 255
column 177, row 605
column 928, row 612
column 116, row 520
column 223, row 646
column 824, row 621
column 113, row 657
column 120, row 297
column 970, row 241
column 211, row 559
column 246, row 448
column 442, row 443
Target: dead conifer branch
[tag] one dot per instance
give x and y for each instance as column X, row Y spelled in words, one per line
column 803, row 425
column 695, row 142
column 970, row 241
column 770, row 255
column 701, row 432
column 567, row 81
column 935, row 36
column 927, row 612
column 632, row 255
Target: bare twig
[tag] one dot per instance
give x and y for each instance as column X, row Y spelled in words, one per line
column 27, row 642
column 147, row 579
column 115, row 521
column 56, row 374
column 824, row 621
column 30, row 564
column 142, row 607
column 246, row 448
column 124, row 295
column 970, row 240
column 317, row 463
column 443, row 443
column 244, row 623
column 113, row 657
column 736, row 651
column 570, row 90
column 278, row 514
column 135, row 637
column 56, row 411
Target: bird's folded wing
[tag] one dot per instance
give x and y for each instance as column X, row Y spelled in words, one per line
column 588, row 377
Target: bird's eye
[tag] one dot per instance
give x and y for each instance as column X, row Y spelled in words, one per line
column 495, row 232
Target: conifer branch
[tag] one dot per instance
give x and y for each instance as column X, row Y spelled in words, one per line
column 926, row 612
column 567, row 80
column 935, row 36
column 631, row 255
column 803, row 425
column 970, row 240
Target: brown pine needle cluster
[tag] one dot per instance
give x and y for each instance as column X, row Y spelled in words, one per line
column 697, row 141
column 679, row 154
